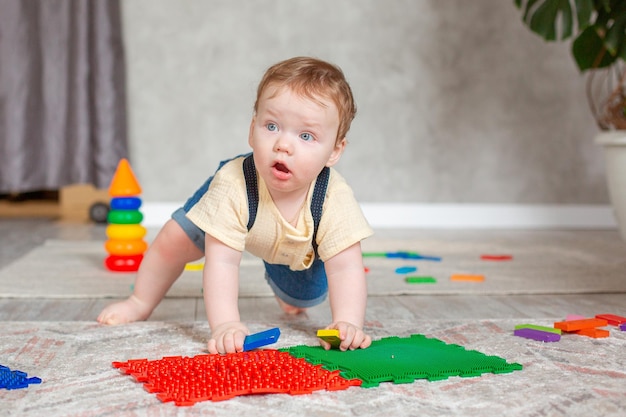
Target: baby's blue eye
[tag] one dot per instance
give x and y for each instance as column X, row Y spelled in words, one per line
column 272, row 127
column 306, row 136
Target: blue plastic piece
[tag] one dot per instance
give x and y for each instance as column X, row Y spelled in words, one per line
column 15, row 379
column 125, row 203
column 406, row 269
column 401, row 255
column 426, row 258
column 260, row 339
column 411, row 255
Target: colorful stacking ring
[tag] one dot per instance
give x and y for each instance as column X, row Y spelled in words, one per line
column 127, row 263
column 125, row 203
column 125, row 231
column 125, row 247
column 125, row 217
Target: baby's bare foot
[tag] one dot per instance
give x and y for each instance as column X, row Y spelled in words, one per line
column 289, row 309
column 127, row 311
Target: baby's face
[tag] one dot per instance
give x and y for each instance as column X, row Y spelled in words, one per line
column 293, row 137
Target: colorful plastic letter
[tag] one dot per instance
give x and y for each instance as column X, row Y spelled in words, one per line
column 595, row 333
column 467, row 277
column 574, row 325
column 412, row 255
column 420, row 280
column 535, row 327
column 406, row 269
column 612, row 319
column 537, row 335
column 264, row 338
column 496, row 257
column 572, row 317
column 330, row 336
column 194, row 266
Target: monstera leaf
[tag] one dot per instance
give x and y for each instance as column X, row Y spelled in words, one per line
column 598, row 27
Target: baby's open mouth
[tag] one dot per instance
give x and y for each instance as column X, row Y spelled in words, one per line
column 281, row 167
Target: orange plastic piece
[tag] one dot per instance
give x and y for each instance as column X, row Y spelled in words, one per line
column 575, row 325
column 467, row 277
column 595, row 333
column 124, row 183
column 125, row 247
column 612, row 319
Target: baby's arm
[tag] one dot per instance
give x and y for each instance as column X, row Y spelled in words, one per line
column 221, row 292
column 347, row 292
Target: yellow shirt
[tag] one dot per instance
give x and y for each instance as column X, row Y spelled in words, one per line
column 222, row 212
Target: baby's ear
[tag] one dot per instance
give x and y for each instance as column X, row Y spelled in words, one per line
column 251, row 129
column 337, row 152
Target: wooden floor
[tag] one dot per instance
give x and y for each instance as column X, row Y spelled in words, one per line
column 18, row 236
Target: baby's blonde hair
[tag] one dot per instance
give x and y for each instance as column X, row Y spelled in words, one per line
column 313, row 78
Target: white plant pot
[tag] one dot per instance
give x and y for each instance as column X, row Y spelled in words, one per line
column 614, row 144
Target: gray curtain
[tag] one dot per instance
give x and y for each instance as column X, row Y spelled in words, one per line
column 62, row 93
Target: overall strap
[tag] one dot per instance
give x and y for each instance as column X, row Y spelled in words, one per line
column 252, row 189
column 317, row 201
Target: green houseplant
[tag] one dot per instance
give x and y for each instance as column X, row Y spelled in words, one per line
column 597, row 29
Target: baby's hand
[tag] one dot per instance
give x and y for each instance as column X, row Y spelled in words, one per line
column 228, row 337
column 352, row 337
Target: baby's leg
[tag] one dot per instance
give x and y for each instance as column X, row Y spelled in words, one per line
column 162, row 264
column 297, row 290
column 289, row 309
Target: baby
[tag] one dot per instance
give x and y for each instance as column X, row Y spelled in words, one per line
column 282, row 203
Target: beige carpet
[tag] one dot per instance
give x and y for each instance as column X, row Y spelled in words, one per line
column 577, row 376
column 550, row 263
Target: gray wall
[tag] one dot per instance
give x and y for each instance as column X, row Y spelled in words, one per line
column 458, row 102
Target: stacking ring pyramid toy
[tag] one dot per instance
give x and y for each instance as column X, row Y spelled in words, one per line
column 125, row 233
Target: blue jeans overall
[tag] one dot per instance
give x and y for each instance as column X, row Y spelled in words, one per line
column 302, row 289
